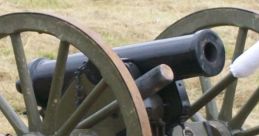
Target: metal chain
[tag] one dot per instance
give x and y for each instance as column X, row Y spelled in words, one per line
column 80, row 93
column 92, row 74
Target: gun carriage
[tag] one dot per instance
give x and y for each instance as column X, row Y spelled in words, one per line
column 131, row 90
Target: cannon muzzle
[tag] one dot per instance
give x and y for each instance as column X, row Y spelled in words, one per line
column 199, row 54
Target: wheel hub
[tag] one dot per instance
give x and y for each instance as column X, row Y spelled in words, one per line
column 219, row 128
column 208, row 128
column 33, row 134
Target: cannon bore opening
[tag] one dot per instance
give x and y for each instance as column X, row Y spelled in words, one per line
column 210, row 52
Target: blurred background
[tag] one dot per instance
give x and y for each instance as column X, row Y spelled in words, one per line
column 119, row 22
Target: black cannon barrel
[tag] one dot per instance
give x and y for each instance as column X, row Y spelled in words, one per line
column 198, row 54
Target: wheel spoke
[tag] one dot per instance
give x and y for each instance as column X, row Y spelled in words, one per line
column 249, row 132
column 74, row 119
column 56, row 88
column 197, row 117
column 63, row 112
column 227, row 106
column 211, row 107
column 26, row 83
column 18, row 125
column 99, row 115
column 241, row 116
column 211, row 94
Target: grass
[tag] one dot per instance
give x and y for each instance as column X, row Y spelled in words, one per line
column 119, row 23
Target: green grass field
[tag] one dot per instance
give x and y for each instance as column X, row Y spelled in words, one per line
column 118, row 23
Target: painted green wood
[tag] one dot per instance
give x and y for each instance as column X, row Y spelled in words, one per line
column 115, row 73
column 239, row 119
column 98, row 116
column 55, row 90
column 103, row 125
column 197, row 117
column 199, row 20
column 211, row 107
column 243, row 19
column 228, row 101
column 196, row 129
column 211, row 93
column 68, row 104
column 210, row 18
column 26, row 84
column 74, row 119
column 16, row 122
column 249, row 132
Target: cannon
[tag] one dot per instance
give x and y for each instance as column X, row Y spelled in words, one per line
column 133, row 90
column 199, row 54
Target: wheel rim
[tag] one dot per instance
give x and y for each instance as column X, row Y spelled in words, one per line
column 243, row 19
column 115, row 75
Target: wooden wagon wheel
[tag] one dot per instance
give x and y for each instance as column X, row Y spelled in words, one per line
column 114, row 76
column 244, row 20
